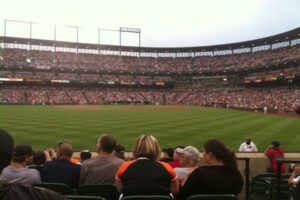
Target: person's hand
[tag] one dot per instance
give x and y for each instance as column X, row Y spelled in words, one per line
column 48, row 157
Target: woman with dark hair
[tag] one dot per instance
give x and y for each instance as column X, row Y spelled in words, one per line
column 146, row 175
column 219, row 176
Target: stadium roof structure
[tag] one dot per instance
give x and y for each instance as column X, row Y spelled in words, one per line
column 283, row 37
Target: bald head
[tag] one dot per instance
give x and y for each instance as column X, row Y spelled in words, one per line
column 64, row 150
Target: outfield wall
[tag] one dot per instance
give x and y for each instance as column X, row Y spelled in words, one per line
column 258, row 161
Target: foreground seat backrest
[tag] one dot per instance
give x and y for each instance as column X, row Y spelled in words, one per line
column 57, row 187
column 107, row 191
column 212, row 197
column 148, row 197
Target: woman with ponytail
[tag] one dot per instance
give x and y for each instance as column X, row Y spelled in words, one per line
column 219, row 176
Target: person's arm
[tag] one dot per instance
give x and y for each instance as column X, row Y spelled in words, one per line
column 267, row 150
column 186, row 189
column 255, row 148
column 118, row 183
column 47, row 155
column 174, row 186
column 119, row 173
column 82, row 174
column 241, row 147
column 296, row 171
column 36, row 177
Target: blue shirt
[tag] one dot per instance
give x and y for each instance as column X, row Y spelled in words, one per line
column 61, row 171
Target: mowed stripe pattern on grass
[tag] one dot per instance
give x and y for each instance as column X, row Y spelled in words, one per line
column 45, row 126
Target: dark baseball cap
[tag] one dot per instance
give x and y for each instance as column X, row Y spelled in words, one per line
column 276, row 143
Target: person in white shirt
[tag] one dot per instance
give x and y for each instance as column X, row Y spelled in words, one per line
column 189, row 160
column 248, row 146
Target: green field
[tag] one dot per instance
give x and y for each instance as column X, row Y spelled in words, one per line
column 45, row 126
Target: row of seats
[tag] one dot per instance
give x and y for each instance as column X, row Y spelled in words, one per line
column 110, row 192
column 265, row 186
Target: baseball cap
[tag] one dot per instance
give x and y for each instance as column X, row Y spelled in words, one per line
column 248, row 141
column 190, row 152
column 275, row 143
column 85, row 154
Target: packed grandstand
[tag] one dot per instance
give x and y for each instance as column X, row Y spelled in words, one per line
column 252, row 75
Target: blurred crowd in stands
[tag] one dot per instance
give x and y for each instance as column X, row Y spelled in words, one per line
column 279, row 99
column 282, row 99
column 50, row 60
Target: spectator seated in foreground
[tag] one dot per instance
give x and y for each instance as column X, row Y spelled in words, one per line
column 62, row 170
column 146, row 175
column 189, row 160
column 17, row 172
column 85, row 155
column 219, row 176
column 103, row 168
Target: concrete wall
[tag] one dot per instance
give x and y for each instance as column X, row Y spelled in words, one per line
column 258, row 161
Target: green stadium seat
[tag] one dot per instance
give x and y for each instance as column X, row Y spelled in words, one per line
column 265, row 185
column 57, row 187
column 272, row 189
column 107, row 191
column 258, row 185
column 79, row 197
column 148, row 197
column 213, row 197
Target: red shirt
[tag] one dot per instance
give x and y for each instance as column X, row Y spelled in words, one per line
column 175, row 163
column 275, row 154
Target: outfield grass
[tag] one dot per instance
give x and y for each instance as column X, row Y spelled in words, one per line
column 45, row 126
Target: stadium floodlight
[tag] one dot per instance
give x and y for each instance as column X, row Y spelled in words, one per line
column 24, row 22
column 130, row 30
column 77, row 28
column 18, row 21
column 104, row 29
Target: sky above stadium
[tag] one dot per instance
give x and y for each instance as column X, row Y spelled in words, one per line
column 163, row 23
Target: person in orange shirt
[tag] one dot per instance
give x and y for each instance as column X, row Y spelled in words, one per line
column 146, row 175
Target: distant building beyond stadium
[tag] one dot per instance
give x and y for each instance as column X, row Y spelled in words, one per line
column 258, row 75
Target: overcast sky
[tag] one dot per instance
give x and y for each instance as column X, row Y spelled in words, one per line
column 163, row 23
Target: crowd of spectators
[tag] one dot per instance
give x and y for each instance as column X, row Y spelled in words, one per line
column 92, row 78
column 145, row 174
column 281, row 99
column 288, row 73
column 115, row 63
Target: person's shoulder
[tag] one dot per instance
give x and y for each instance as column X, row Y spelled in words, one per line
column 179, row 169
column 50, row 162
column 33, row 171
column 89, row 161
column 76, row 166
column 118, row 160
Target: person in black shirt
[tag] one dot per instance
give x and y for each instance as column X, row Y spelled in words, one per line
column 219, row 176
